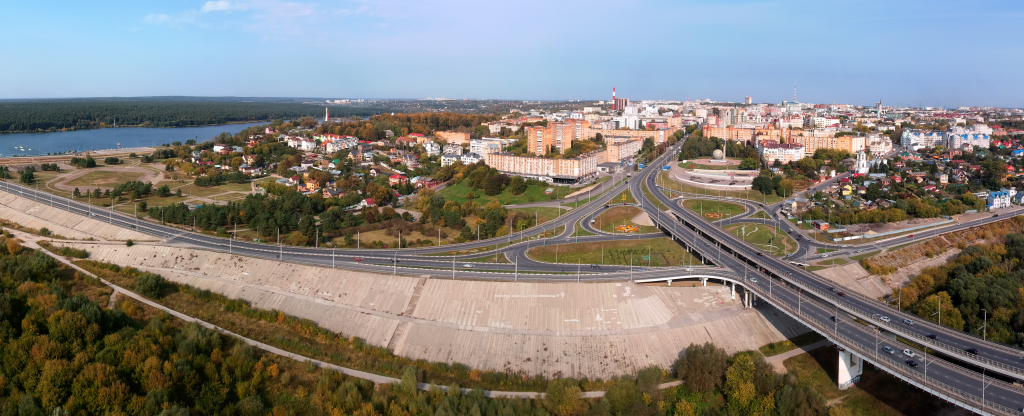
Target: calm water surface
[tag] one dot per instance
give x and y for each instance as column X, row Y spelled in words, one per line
column 35, row 144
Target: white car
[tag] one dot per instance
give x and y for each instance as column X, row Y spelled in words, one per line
column 888, row 349
column 908, row 352
column 884, row 319
column 467, row 265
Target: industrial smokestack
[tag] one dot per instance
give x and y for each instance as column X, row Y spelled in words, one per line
column 613, row 99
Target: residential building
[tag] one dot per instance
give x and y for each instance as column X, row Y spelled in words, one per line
column 556, row 137
column 783, row 152
column 453, row 149
column 999, row 199
column 471, row 158
column 812, row 140
column 432, row 149
column 449, row 159
column 558, row 170
column 796, row 206
column 959, row 138
column 620, row 151
column 919, row 139
column 880, row 145
column 487, row 145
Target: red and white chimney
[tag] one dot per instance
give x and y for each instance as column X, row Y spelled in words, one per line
column 613, row 99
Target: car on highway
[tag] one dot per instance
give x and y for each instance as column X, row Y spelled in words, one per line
column 972, row 350
column 884, row 319
column 912, row 363
column 467, row 265
column 759, row 253
column 831, row 289
column 842, row 294
column 753, row 279
column 888, row 349
column 995, row 215
column 933, row 336
column 908, row 352
column 908, row 321
column 357, row 259
column 910, row 236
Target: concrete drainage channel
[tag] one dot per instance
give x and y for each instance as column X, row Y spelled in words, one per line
column 376, row 378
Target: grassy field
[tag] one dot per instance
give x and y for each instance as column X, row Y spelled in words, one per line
column 705, row 207
column 665, row 181
column 581, row 232
column 620, row 215
column 761, row 215
column 798, row 341
column 865, row 255
column 489, row 259
column 662, row 252
column 692, row 165
column 764, row 237
column 104, row 178
column 543, row 214
column 193, row 190
column 458, row 193
column 650, row 197
column 878, row 393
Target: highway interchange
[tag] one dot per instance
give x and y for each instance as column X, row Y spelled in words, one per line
column 950, row 372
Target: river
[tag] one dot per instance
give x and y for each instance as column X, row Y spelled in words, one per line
column 35, row 144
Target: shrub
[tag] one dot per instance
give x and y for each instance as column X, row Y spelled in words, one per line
column 149, row 284
column 129, row 243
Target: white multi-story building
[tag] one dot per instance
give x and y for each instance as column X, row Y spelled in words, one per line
column 999, row 199
column 449, row 159
column 487, row 145
column 432, row 149
column 471, row 158
column 918, row 139
column 879, row 145
column 820, row 122
column 783, row 152
column 453, row 149
column 960, row 137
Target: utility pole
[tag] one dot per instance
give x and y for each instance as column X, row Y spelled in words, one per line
column 281, row 255
column 577, row 270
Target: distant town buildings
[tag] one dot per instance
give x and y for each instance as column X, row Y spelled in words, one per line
column 783, row 152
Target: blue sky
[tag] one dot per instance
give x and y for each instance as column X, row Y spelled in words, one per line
column 939, row 53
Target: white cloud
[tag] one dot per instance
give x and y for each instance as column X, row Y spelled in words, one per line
column 220, row 5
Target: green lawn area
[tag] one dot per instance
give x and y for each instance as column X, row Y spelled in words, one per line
column 104, row 178
column 533, row 193
column 764, row 237
column 650, row 197
column 661, row 251
column 692, row 165
column 761, row 215
column 489, row 259
column 750, row 195
column 706, row 207
column 580, row 232
column 825, row 250
column 878, row 393
column 860, row 257
column 621, row 216
column 798, row 341
column 543, row 214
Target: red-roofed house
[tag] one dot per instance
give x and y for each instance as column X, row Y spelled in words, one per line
column 397, row 179
column 368, row 202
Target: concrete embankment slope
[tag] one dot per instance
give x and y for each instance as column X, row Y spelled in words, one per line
column 579, row 330
column 37, row 215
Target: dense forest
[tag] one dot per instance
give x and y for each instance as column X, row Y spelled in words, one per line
column 53, row 115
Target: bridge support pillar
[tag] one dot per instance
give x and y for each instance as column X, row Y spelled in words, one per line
column 704, row 281
column 734, row 290
column 851, row 367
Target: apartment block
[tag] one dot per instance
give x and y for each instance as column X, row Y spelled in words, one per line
column 561, row 170
column 557, row 136
column 812, row 140
column 618, row 152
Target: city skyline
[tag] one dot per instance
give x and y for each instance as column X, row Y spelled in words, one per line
column 853, row 53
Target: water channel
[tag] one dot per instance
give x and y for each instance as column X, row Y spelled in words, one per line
column 36, row 144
